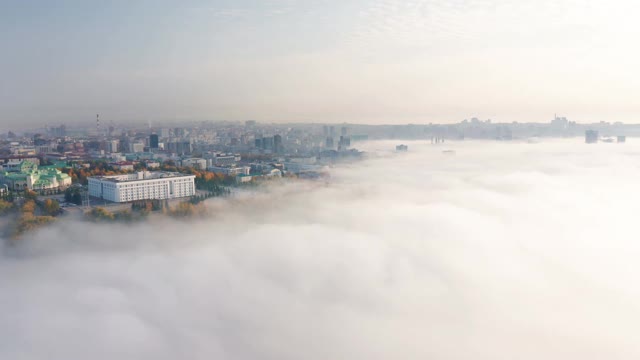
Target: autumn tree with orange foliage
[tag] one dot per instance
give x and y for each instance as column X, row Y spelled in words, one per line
column 28, row 220
column 51, row 207
column 96, row 168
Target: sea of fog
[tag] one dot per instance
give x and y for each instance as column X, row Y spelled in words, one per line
column 501, row 250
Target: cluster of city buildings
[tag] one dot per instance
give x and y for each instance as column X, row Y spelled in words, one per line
column 593, row 136
column 245, row 151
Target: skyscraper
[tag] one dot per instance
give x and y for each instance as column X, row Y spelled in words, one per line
column 344, row 143
column 153, row 141
column 328, row 143
column 277, row 144
column 267, row 143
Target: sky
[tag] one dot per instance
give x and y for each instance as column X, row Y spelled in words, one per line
column 358, row 61
column 479, row 255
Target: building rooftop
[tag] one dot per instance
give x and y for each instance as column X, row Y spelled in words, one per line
column 140, row 176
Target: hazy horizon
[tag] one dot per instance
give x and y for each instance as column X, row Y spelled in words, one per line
column 354, row 61
column 90, row 123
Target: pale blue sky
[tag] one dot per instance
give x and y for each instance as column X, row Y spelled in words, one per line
column 386, row 61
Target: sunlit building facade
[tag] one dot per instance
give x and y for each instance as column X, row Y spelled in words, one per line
column 143, row 185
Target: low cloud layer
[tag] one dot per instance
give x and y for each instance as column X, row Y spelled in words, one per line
column 501, row 251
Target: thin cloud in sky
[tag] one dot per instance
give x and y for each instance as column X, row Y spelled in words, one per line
column 360, row 61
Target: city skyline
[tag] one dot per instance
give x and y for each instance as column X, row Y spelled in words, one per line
column 378, row 62
column 154, row 127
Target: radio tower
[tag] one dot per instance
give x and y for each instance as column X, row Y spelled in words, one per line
column 98, row 124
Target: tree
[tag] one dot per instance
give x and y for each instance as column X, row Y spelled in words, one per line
column 29, row 207
column 183, row 209
column 28, row 222
column 30, row 195
column 100, row 214
column 5, row 207
column 51, row 207
column 68, row 193
column 125, row 216
column 77, row 198
column 73, row 195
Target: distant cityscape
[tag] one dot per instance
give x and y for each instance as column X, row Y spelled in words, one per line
column 130, row 163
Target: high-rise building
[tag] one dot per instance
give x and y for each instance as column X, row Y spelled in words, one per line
column 182, row 147
column 591, row 136
column 267, row 143
column 58, row 131
column 153, row 141
column 125, row 144
column 328, row 143
column 277, row 144
column 38, row 140
column 344, row 143
column 112, row 146
column 136, row 147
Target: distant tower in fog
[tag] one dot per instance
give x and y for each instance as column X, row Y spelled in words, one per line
column 328, row 143
column 591, row 136
column 98, row 124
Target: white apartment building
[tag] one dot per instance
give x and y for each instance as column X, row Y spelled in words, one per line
column 220, row 159
column 230, row 170
column 136, row 147
column 143, row 185
column 195, row 163
column 112, row 146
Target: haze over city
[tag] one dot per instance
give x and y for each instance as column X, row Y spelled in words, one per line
column 356, row 61
column 292, row 180
column 479, row 255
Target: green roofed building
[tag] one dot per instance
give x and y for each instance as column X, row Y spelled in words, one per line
column 27, row 175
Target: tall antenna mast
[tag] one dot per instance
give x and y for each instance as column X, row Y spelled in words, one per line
column 98, row 124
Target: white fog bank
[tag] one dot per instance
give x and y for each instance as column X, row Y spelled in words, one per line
column 499, row 251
